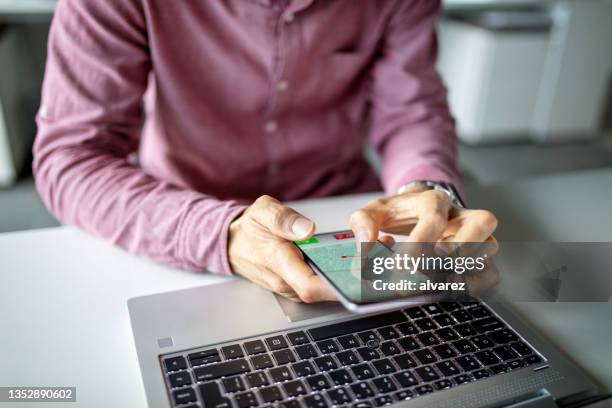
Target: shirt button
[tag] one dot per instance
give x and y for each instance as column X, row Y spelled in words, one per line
column 289, row 17
column 282, row 86
column 271, row 126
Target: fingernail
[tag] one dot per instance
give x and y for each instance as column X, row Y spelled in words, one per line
column 363, row 236
column 301, row 227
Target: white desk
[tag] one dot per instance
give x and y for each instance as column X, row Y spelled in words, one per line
column 64, row 319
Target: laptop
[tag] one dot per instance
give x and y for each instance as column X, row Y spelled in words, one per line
column 234, row 344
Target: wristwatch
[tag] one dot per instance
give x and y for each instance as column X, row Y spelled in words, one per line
column 435, row 185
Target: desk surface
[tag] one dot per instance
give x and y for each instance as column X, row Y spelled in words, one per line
column 63, row 293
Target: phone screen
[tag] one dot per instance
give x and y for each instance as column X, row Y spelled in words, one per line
column 335, row 255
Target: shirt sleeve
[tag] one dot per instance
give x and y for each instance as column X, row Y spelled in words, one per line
column 89, row 124
column 412, row 127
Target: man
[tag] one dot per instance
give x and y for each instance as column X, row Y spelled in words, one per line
column 248, row 100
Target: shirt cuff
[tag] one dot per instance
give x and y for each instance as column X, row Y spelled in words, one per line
column 422, row 173
column 205, row 236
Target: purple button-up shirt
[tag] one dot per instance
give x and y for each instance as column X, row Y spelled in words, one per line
column 245, row 97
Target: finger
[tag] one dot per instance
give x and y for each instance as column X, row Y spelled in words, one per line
column 280, row 220
column 290, row 266
column 432, row 210
column 268, row 280
column 365, row 224
column 387, row 240
column 476, row 226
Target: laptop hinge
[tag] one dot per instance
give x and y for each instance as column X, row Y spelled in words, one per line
column 535, row 399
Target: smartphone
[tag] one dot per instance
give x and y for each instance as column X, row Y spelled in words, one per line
column 334, row 257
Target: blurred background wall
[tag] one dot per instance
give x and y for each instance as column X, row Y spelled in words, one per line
column 530, row 84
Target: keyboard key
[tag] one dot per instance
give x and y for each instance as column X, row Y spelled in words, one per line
column 447, row 334
column 445, row 351
column 443, row 320
column 362, row 371
column 383, row 400
column 280, row 374
column 318, row 382
column 303, row 368
column 367, row 353
column 254, row 347
column 521, row 348
column 367, row 336
column 297, row 338
column 306, row 351
column 487, row 358
column 362, row 404
column 404, row 361
column 488, row 324
column 225, row 369
column 276, row 343
column 315, row 401
column 464, row 346
column 389, row 348
column 403, row 395
column 428, row 339
column 482, row 341
column 180, row 379
column 482, row 373
column 327, row 346
column 432, row 308
column 415, row 312
column 232, row 351
column 246, row 399
column 233, row 384
column 352, row 326
column 204, row 357
column 424, row 389
column 408, row 343
column 462, row 379
column 384, row 384
column 465, row 330
column 427, row 373
column 388, row 333
column 292, row 403
column 513, row 365
column 443, row 384
column 407, row 329
column 480, row 312
column 257, row 379
column 175, row 363
column 347, row 357
column 499, row 368
column 184, row 396
column 362, row 390
column 340, row 377
column 406, row 379
column 503, row 336
column 339, row 396
column 325, row 363
column 384, row 366
column 348, row 342
column 468, row 363
column 270, row 394
column 294, row 388
column 461, row 316
column 533, row 359
column 426, row 324
column 425, row 356
column 262, row 361
column 283, row 356
column 505, row 353
column 450, row 306
column 212, row 397
column 447, row 368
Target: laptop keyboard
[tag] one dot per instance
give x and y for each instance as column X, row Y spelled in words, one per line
column 365, row 362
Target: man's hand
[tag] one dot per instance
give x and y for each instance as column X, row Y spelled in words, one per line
column 425, row 216
column 260, row 249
